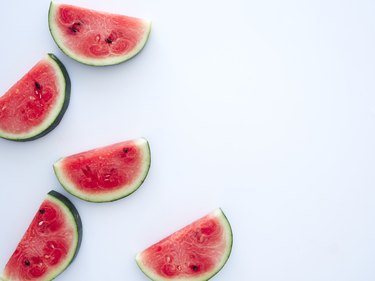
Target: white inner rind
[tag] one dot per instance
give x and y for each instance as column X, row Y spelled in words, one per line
column 228, row 237
column 110, row 60
column 112, row 195
column 65, row 263
column 54, row 112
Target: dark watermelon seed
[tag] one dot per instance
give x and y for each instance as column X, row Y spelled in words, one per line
column 194, row 268
column 75, row 27
column 42, row 211
column 27, row 262
column 109, row 40
column 126, row 150
column 38, row 89
column 87, row 171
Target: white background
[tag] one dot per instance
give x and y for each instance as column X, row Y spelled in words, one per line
column 263, row 108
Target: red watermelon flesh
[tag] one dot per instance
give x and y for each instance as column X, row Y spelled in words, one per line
column 96, row 37
column 196, row 252
column 106, row 173
column 49, row 244
column 31, row 105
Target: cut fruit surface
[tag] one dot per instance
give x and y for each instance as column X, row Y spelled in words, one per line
column 50, row 243
column 95, row 37
column 35, row 105
column 107, row 173
column 194, row 253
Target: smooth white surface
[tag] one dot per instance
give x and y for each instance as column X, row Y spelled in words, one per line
column 263, row 108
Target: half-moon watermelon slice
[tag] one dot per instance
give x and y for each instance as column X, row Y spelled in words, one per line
column 95, row 37
column 35, row 105
column 194, row 253
column 50, row 243
column 107, row 173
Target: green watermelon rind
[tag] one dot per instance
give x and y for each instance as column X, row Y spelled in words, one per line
column 122, row 192
column 56, row 115
column 91, row 61
column 208, row 275
column 74, row 219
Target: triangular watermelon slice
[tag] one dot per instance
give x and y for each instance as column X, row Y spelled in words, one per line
column 35, row 104
column 50, row 243
column 106, row 173
column 194, row 253
column 95, row 37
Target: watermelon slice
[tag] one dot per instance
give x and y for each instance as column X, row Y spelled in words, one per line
column 35, row 105
column 95, row 37
column 195, row 252
column 107, row 173
column 50, row 243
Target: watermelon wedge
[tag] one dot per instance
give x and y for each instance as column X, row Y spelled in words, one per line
column 107, row 173
column 50, row 243
column 194, row 253
column 35, row 105
column 95, row 37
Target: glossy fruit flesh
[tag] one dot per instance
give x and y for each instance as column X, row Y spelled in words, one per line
column 48, row 246
column 195, row 252
column 96, row 37
column 36, row 101
column 106, row 173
